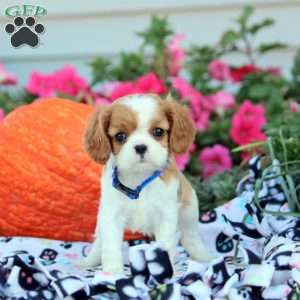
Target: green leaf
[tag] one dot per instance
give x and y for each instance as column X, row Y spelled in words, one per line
column 258, row 91
column 258, row 26
column 296, row 69
column 217, row 132
column 266, row 47
column 101, row 70
column 198, row 59
column 217, row 189
column 294, row 85
column 10, row 101
column 129, row 66
column 275, row 103
column 248, row 146
column 157, row 33
column 229, row 37
column 246, row 13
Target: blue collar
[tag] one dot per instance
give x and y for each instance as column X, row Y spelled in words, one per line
column 130, row 193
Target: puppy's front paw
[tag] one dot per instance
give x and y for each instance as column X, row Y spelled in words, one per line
column 202, row 255
column 114, row 269
column 88, row 262
column 206, row 257
column 198, row 252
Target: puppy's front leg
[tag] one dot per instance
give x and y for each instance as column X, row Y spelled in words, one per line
column 189, row 229
column 165, row 233
column 94, row 256
column 112, row 229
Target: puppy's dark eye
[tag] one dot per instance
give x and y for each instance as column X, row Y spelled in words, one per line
column 158, row 132
column 121, row 137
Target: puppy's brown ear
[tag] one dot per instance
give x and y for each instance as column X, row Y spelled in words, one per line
column 96, row 140
column 183, row 129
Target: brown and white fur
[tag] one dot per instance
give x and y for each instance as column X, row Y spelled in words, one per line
column 168, row 204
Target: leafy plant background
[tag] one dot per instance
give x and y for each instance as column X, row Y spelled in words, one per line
column 159, row 50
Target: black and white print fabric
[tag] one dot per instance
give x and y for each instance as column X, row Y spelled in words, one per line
column 257, row 256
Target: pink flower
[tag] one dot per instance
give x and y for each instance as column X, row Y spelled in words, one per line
column 199, row 114
column 150, row 83
column 219, row 70
column 123, row 89
column 183, row 159
column 108, row 87
column 65, row 81
column 247, row 124
column 183, row 87
column 246, row 155
column 1, row 114
column 215, row 159
column 101, row 101
column 199, row 104
column 222, row 101
column 41, row 85
column 6, row 77
column 176, row 54
column 294, row 106
column 188, row 92
column 238, row 74
column 192, row 147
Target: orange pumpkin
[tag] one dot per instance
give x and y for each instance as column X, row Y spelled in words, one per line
column 49, row 187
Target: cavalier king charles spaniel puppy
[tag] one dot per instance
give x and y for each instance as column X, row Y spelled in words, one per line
column 136, row 137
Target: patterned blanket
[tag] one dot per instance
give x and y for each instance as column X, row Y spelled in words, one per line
column 257, row 257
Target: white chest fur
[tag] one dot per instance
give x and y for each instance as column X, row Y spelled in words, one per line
column 158, row 200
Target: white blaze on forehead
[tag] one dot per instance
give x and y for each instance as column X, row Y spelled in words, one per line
column 145, row 107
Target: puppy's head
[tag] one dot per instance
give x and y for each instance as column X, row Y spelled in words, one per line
column 140, row 131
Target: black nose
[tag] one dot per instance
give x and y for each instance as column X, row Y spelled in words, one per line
column 140, row 149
